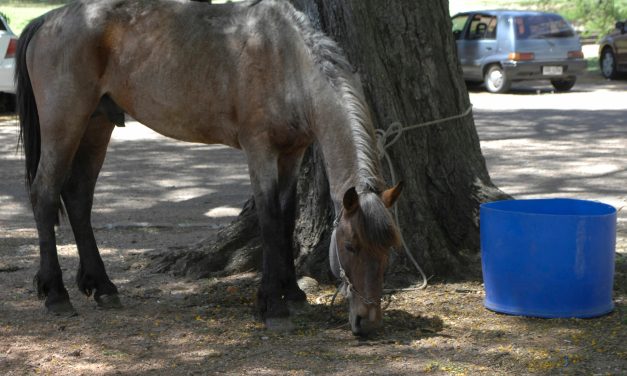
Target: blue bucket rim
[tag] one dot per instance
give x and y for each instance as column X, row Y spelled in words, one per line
column 493, row 206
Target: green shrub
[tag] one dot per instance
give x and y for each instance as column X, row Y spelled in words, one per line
column 592, row 17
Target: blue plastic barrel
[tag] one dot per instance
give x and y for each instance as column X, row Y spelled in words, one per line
column 548, row 257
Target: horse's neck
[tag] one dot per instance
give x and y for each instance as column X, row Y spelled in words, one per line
column 344, row 162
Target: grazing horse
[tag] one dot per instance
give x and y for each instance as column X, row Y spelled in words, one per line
column 255, row 76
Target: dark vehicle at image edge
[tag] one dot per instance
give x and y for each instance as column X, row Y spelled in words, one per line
column 613, row 51
column 499, row 47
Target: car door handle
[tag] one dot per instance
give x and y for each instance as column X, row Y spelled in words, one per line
column 489, row 48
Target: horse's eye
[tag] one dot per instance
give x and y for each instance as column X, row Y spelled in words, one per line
column 349, row 247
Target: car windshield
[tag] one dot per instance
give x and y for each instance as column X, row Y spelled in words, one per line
column 542, row 26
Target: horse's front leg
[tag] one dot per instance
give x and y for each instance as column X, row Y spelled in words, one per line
column 289, row 168
column 276, row 273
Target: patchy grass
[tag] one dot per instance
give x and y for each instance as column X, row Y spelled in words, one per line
column 593, row 65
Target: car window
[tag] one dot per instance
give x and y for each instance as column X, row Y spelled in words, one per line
column 482, row 27
column 458, row 25
column 542, row 26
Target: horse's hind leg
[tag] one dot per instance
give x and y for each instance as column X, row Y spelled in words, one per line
column 63, row 118
column 60, row 136
column 77, row 194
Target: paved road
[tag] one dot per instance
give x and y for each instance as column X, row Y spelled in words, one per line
column 541, row 144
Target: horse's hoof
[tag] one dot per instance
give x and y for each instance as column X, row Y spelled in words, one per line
column 273, row 308
column 279, row 324
column 108, row 301
column 296, row 295
column 63, row 308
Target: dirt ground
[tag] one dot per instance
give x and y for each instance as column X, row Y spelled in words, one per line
column 156, row 194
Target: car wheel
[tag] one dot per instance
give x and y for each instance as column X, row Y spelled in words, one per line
column 564, row 84
column 608, row 64
column 495, row 79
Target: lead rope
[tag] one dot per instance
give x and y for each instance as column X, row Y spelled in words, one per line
column 396, row 130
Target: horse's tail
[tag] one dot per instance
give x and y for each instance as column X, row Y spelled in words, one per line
column 29, row 138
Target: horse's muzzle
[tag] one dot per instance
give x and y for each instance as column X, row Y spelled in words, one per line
column 363, row 326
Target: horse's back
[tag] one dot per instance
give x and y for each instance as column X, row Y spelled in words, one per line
column 188, row 70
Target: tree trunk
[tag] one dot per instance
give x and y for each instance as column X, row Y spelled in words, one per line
column 404, row 52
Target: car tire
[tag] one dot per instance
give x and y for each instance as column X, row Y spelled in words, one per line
column 496, row 80
column 564, row 84
column 608, row 63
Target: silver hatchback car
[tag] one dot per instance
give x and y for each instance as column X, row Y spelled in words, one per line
column 502, row 46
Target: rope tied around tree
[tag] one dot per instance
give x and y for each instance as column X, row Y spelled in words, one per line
column 385, row 139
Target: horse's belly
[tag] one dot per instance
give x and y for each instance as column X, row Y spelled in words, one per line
column 195, row 132
column 179, row 116
column 189, row 129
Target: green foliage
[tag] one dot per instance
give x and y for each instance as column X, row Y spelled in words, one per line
column 6, row 18
column 592, row 17
column 34, row 2
column 593, row 65
column 20, row 14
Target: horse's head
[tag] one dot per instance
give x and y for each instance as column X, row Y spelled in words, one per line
column 364, row 233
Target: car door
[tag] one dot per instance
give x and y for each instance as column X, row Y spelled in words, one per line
column 478, row 43
column 459, row 23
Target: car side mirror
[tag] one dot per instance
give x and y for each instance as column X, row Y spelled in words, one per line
column 620, row 25
column 457, row 34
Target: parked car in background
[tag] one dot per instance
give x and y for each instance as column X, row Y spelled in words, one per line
column 613, row 51
column 499, row 47
column 8, row 44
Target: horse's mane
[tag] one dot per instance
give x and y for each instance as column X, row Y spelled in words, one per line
column 330, row 59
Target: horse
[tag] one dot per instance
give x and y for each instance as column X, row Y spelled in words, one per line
column 255, row 76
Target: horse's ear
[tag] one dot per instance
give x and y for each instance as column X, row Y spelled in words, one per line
column 390, row 196
column 351, row 200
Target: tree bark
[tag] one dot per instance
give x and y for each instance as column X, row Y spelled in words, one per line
column 405, row 54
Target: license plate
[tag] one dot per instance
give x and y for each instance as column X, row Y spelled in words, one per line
column 550, row 70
